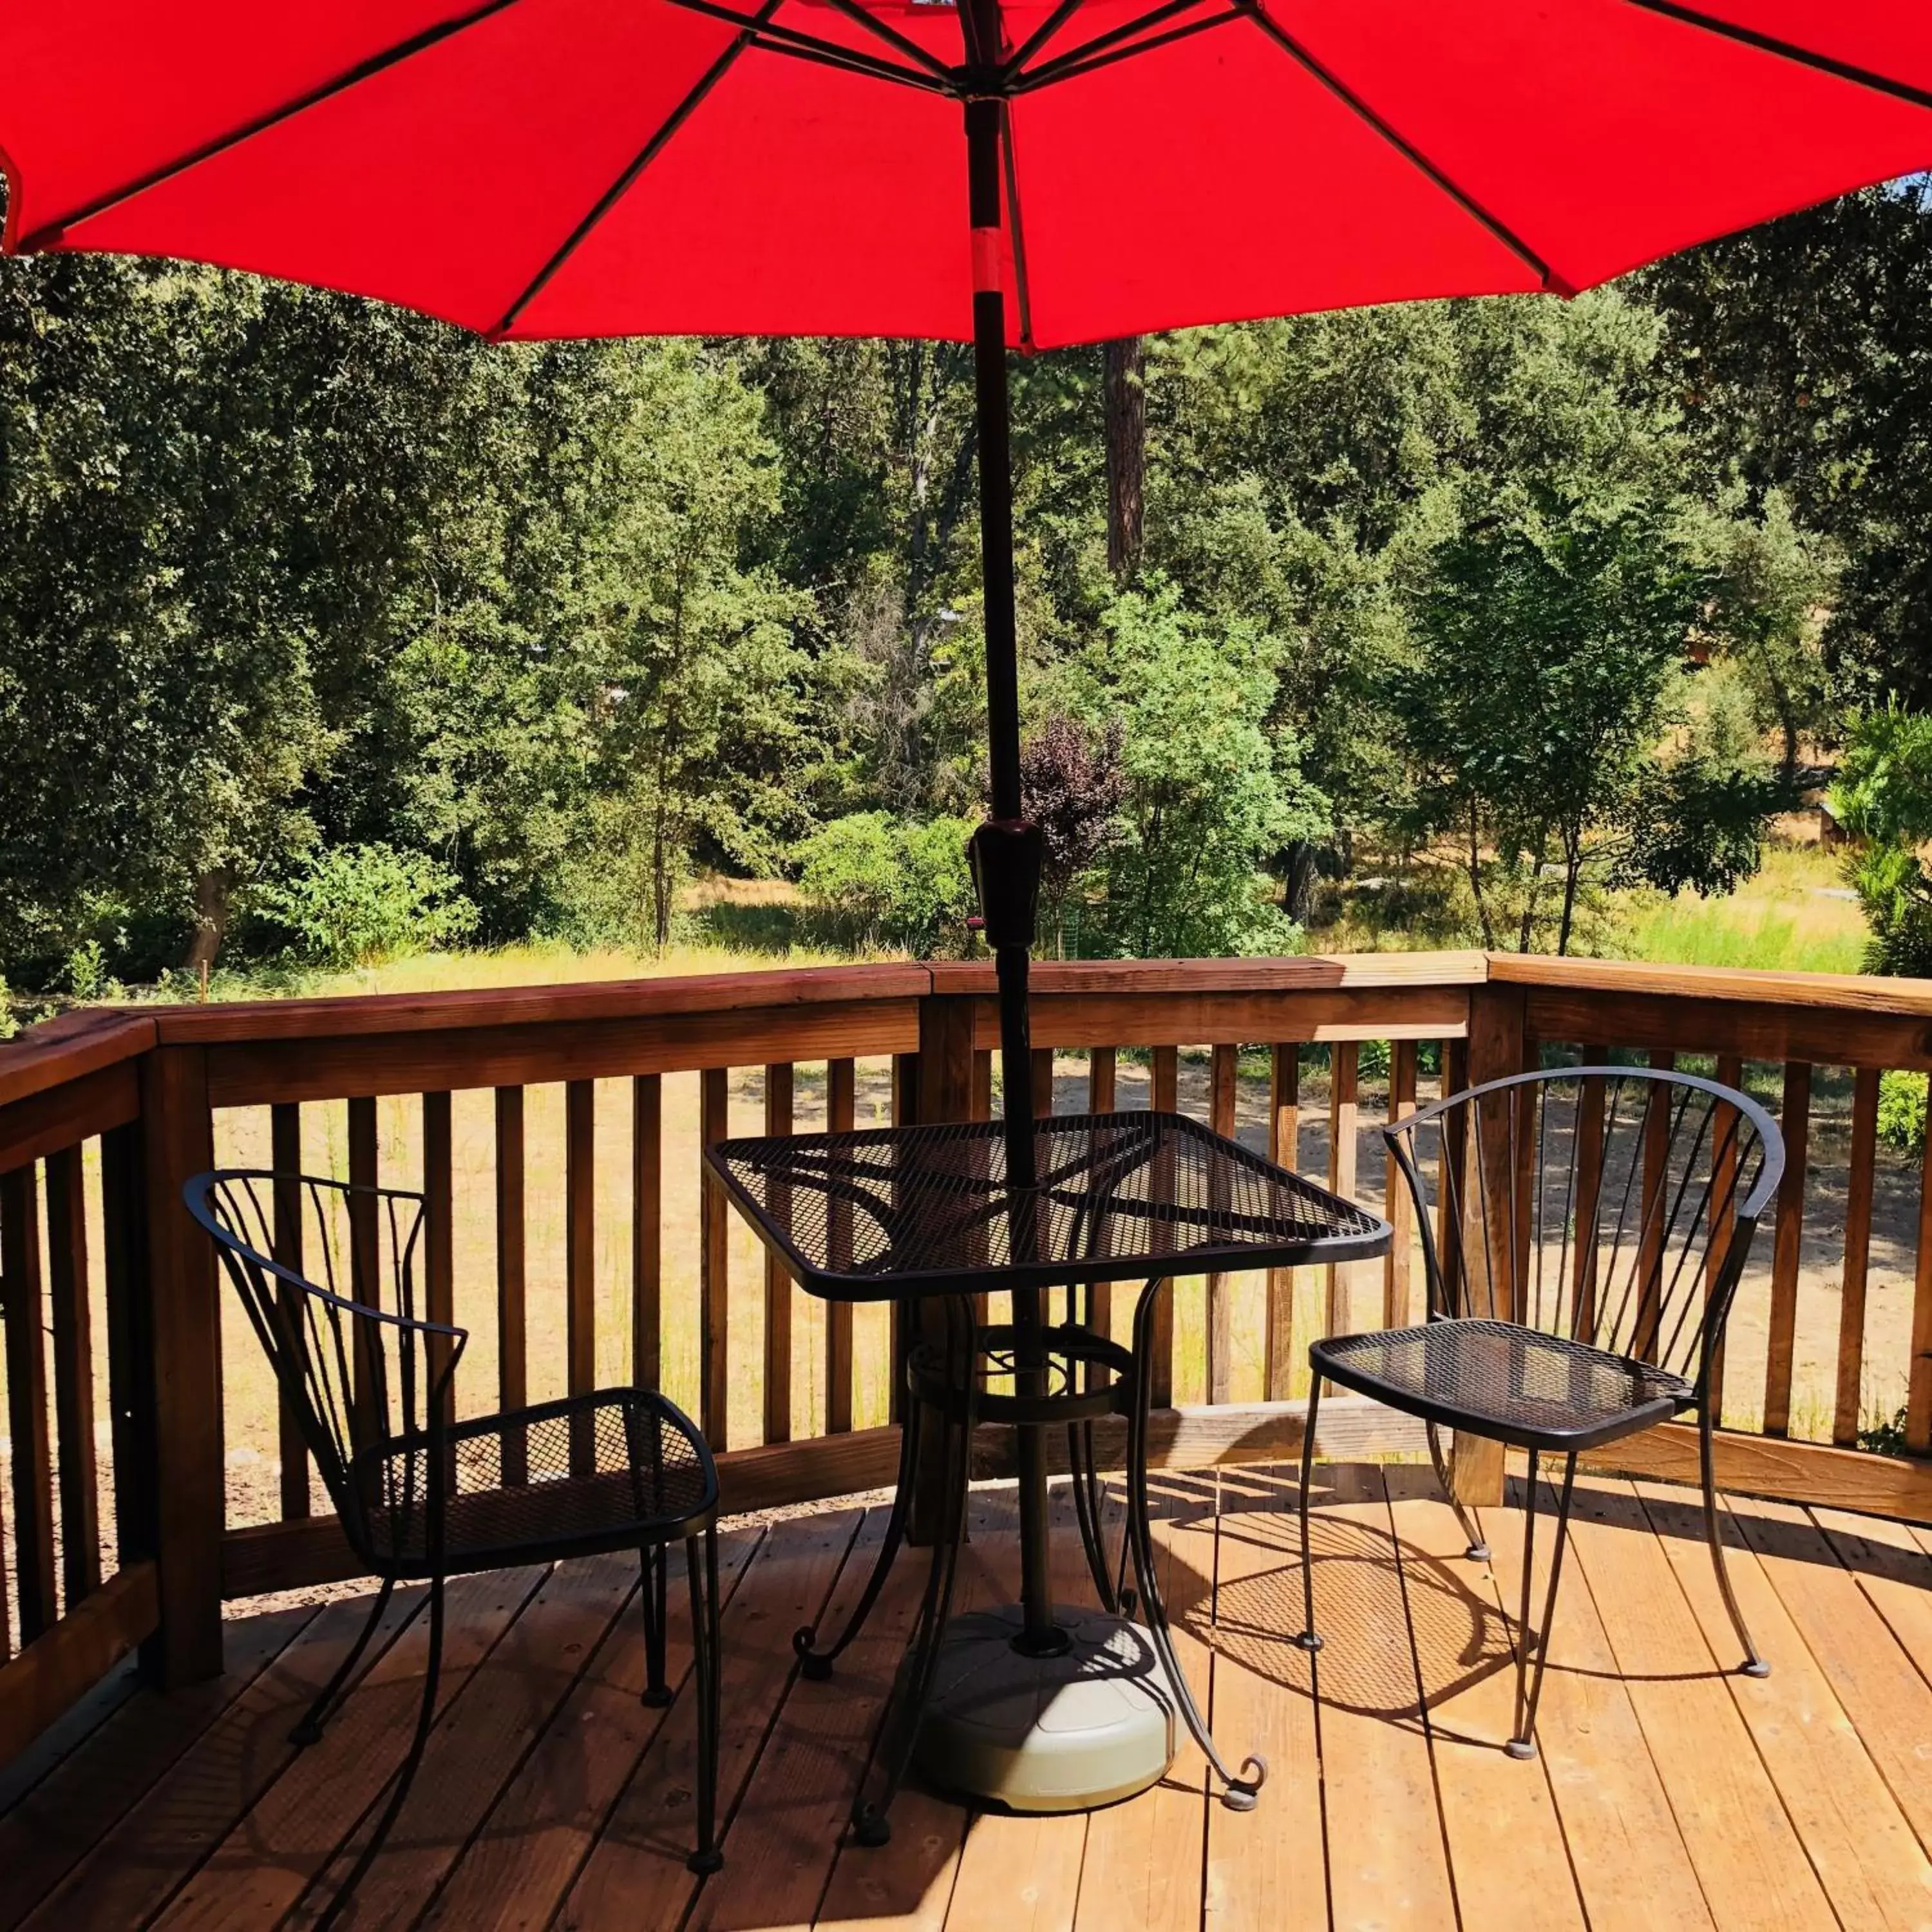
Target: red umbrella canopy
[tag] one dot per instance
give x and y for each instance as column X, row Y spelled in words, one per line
column 545, row 168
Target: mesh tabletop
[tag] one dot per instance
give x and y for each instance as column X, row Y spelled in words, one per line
column 895, row 1211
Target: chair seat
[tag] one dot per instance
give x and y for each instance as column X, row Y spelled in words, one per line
column 611, row 1470
column 1511, row 1384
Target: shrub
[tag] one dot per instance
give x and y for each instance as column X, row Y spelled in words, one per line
column 889, row 882
column 1901, row 1112
column 352, row 905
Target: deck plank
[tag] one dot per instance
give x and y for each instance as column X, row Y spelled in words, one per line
column 1891, row 1567
column 1267, row 1872
column 139, row 1865
column 635, row 1876
column 1145, row 1859
column 477, row 1743
column 1749, row 1863
column 1387, row 1866
column 56, row 1824
column 1628, row 1854
column 521, row 1863
column 1868, row 1671
column 260, row 1869
column 1871, row 1865
column 1506, row 1849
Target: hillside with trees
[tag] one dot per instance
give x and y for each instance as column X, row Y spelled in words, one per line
column 325, row 630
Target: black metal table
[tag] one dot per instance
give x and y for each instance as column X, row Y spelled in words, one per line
column 923, row 1217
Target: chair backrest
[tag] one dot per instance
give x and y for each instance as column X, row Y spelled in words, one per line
column 354, row 1358
column 1615, row 1205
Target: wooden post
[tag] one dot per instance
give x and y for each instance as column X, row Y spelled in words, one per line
column 1165, row 1099
column 512, row 1348
column 1795, row 1122
column 438, row 1157
column 1858, row 1255
column 1498, row 1041
column 1284, row 1137
column 286, row 1158
column 946, row 1088
column 1103, row 1066
column 185, row 1324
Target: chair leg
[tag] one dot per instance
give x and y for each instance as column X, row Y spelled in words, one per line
column 309, row 1730
column 651, row 1592
column 707, row 1662
column 425, row 1716
column 1528, row 1680
column 1309, row 1638
column 1754, row 1665
column 1477, row 1551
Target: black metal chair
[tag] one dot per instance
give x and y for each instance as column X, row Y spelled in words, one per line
column 424, row 1497
column 1583, row 1249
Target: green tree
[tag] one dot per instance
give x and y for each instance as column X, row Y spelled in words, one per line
column 1884, row 797
column 1209, row 797
column 1551, row 635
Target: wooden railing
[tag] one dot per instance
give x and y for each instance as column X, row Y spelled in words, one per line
column 556, row 1133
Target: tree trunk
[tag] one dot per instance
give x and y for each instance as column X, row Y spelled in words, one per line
column 211, row 891
column 1126, row 393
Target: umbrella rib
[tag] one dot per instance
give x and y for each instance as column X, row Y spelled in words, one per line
column 1041, row 34
column 892, row 37
column 1769, row 43
column 49, row 232
column 1026, row 82
column 645, row 155
column 1414, row 155
column 1055, row 69
column 1022, row 292
column 776, row 39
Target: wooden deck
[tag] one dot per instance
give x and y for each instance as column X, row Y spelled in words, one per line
column 1668, row 1793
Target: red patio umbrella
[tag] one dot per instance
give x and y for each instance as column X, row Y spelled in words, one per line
column 534, row 168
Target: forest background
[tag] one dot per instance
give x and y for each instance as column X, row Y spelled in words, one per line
column 328, row 634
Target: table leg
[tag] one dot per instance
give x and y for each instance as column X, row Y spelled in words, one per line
column 1238, row 1793
column 898, row 1725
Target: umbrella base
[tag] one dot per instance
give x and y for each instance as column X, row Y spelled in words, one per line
column 1089, row 1726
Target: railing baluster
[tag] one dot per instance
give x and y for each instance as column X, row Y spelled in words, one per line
column 1164, row 1098
column 1284, row 1138
column 27, row 1401
column 1451, row 1182
column 778, row 1085
column 1794, row 1122
column 1344, row 1096
column 1224, row 1067
column 1653, row 1210
column 1723, row 1208
column 714, row 1270
column 1918, row 1389
column 841, row 1091
column 647, row 1230
column 512, row 1339
column 1396, row 1208
column 906, row 1078
column 130, row 1346
column 73, row 1376
column 439, row 1233
column 1858, row 1255
column 1103, row 1070
column 365, row 1274
column 1589, row 1132
column 579, row 1256
column 285, row 1156
column 982, row 1085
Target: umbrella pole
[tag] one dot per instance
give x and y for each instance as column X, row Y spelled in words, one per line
column 1006, row 849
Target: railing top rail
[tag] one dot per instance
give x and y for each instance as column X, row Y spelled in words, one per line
column 58, row 1051
column 1909, row 999
column 82, row 1042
